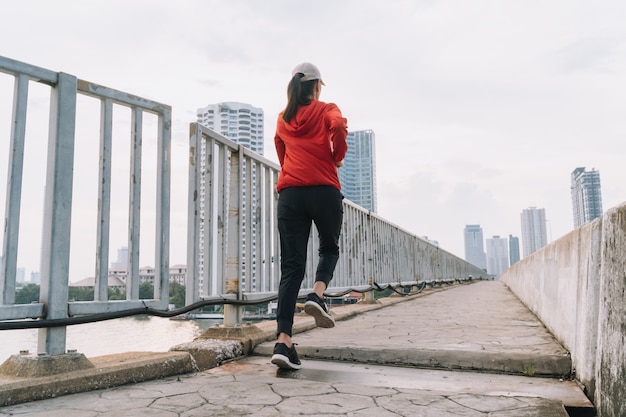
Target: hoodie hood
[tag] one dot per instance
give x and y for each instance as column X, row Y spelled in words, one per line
column 306, row 119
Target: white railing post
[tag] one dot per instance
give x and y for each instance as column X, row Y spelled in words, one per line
column 55, row 254
column 162, row 233
column 232, row 272
column 134, row 209
column 104, row 201
column 8, row 266
column 195, row 224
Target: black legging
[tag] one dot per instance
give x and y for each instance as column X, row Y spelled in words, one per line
column 297, row 208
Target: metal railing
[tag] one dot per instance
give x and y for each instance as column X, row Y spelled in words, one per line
column 232, row 244
column 56, row 243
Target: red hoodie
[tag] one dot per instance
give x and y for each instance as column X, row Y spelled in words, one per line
column 310, row 145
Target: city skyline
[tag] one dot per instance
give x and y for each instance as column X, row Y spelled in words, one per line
column 470, row 127
column 494, row 254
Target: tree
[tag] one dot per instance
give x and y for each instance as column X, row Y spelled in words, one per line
column 146, row 291
column 80, row 293
column 27, row 294
column 177, row 294
column 116, row 293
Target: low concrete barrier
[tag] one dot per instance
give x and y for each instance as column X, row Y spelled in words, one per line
column 107, row 371
column 577, row 287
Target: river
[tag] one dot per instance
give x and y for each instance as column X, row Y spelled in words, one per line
column 130, row 334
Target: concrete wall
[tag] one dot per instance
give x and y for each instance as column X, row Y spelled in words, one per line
column 611, row 358
column 577, row 287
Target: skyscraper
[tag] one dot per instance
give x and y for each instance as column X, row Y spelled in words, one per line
column 586, row 195
column 358, row 174
column 497, row 256
column 534, row 234
column 474, row 249
column 513, row 249
column 121, row 263
column 239, row 122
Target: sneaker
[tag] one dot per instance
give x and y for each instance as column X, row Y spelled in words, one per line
column 315, row 306
column 285, row 358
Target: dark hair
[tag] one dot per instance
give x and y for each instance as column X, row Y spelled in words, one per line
column 298, row 94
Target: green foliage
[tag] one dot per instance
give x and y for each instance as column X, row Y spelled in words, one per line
column 529, row 370
column 30, row 293
column 177, row 294
column 116, row 293
column 146, row 291
column 27, row 294
column 80, row 293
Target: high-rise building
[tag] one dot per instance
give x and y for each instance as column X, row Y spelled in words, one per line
column 474, row 249
column 239, row 122
column 358, row 174
column 497, row 256
column 534, row 234
column 244, row 124
column 20, row 275
column 121, row 263
column 586, row 195
column 513, row 249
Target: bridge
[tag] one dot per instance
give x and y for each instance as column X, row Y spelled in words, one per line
column 571, row 293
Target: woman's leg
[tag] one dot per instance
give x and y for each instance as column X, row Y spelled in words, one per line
column 328, row 218
column 294, row 227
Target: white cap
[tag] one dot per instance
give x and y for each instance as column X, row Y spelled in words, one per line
column 310, row 71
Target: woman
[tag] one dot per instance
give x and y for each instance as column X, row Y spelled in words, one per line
column 311, row 144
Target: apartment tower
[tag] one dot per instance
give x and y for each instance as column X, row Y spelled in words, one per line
column 497, row 256
column 513, row 249
column 474, row 248
column 586, row 196
column 534, row 234
column 239, row 122
column 358, row 174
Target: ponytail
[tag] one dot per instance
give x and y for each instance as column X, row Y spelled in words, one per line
column 299, row 93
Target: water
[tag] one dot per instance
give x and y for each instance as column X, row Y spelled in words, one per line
column 130, row 334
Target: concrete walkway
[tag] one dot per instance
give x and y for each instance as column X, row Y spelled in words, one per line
column 481, row 326
column 469, row 350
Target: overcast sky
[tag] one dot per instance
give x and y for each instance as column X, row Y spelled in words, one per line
column 480, row 108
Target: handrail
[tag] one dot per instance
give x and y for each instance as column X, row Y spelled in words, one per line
column 212, row 301
column 232, row 220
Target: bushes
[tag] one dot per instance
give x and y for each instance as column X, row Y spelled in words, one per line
column 30, row 293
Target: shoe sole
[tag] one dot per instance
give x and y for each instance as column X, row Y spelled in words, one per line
column 283, row 362
column 322, row 318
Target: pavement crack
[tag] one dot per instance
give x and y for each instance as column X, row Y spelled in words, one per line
column 466, row 406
